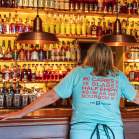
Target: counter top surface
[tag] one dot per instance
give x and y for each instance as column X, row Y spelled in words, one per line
column 61, row 114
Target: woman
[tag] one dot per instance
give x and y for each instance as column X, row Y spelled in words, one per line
column 96, row 88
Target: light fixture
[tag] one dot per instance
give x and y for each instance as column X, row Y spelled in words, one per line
column 37, row 36
column 117, row 38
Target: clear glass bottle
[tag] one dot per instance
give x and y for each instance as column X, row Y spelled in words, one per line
column 17, row 96
column 8, row 54
column 9, row 96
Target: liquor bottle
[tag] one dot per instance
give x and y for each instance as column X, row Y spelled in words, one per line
column 62, row 6
column 24, row 73
column 18, row 72
column 8, row 54
column 7, row 26
column 13, row 3
column 130, row 7
column 1, row 24
column 15, row 52
column 29, row 73
column 131, row 73
column 63, row 51
column 28, row 52
column 6, row 73
column 89, row 28
column 24, row 97
column 37, row 72
column 41, row 53
column 66, row 4
column 4, row 91
column 1, row 53
column 5, row 3
column 67, row 27
column 73, row 26
column 78, row 26
column 12, row 27
column 72, row 52
column 34, row 53
column 109, row 27
column 123, row 7
column 56, row 73
column 1, row 99
column 93, row 28
column 19, row 26
column 4, row 27
column 63, row 26
column 52, row 25
column 25, row 3
column 33, row 70
column 49, row 52
column 22, row 55
column 124, row 26
column 32, row 95
column 27, row 26
column 99, row 28
column 100, row 5
column 132, row 24
column 17, row 96
column 67, row 55
column 13, row 72
column 52, row 4
column 41, row 67
column 31, row 3
column 1, row 74
column 20, row 3
column 3, row 48
column 45, row 72
column 78, row 52
column 84, row 26
column 57, row 51
column 57, row 25
column 48, row 72
column 57, row 5
column 104, row 26
column 9, row 96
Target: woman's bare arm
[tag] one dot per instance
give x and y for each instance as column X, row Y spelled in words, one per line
column 44, row 100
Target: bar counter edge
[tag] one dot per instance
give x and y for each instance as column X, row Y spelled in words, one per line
column 53, row 123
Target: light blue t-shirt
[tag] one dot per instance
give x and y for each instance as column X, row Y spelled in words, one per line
column 95, row 99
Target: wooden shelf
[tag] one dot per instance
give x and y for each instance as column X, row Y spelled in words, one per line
column 134, row 82
column 76, row 12
column 8, row 35
column 132, row 61
column 39, row 62
column 34, row 82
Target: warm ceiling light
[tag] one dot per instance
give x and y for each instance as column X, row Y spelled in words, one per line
column 37, row 36
column 117, row 38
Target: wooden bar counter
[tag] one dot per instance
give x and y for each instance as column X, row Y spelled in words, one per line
column 53, row 123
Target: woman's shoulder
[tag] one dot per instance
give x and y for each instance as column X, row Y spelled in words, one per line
column 121, row 75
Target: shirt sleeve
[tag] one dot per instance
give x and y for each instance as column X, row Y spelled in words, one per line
column 128, row 91
column 65, row 87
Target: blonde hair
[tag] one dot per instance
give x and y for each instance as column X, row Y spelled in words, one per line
column 100, row 57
